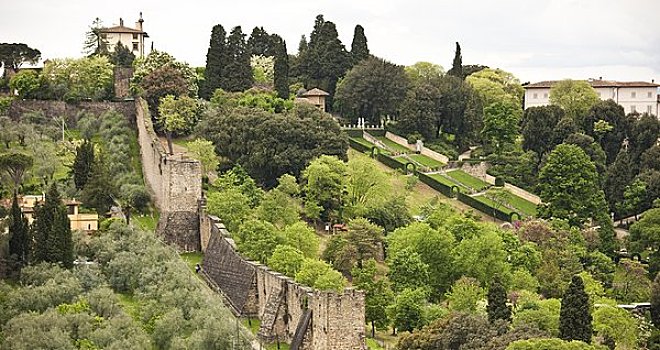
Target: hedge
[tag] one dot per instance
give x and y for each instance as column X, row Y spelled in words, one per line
column 434, row 184
column 390, row 162
column 358, row 146
column 483, row 207
column 354, row 132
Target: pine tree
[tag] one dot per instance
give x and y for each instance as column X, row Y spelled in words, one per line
column 82, row 164
column 497, row 308
column 19, row 238
column 457, row 65
column 574, row 315
column 281, row 67
column 359, row 48
column 238, row 71
column 122, row 56
column 216, row 60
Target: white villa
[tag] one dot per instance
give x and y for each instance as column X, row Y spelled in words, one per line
column 633, row 96
column 132, row 38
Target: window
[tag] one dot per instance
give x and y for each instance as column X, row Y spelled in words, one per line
column 599, row 95
column 633, row 109
column 649, row 94
column 633, row 94
column 535, row 96
column 135, row 46
column 649, row 109
column 135, row 36
column 545, row 95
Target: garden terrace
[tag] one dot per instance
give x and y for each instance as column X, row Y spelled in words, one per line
column 468, row 180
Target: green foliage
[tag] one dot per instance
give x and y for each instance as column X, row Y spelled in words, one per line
column 95, row 43
column 523, row 280
column 551, row 344
column 5, row 103
column 630, row 283
column 237, row 72
column 320, row 275
column 82, row 164
column 465, row 295
column 167, row 75
column 569, row 186
column 538, row 126
column 501, row 121
column 279, row 209
column 257, row 240
column 19, row 235
column 122, row 56
column 13, row 56
column 177, row 116
column 378, row 294
column 407, row 270
column 26, row 83
column 424, row 72
column 496, row 85
column 359, row 48
column 497, row 308
column 372, row 89
column 77, row 79
column 204, row 151
column 303, row 238
column 541, row 314
column 230, row 205
column 645, row 233
column 482, row 257
column 330, row 281
column 271, row 145
column 407, row 312
column 286, row 259
column 52, row 232
column 99, row 191
column 575, row 97
column 617, row 324
column 14, row 165
column 325, row 178
column 457, row 64
column 217, row 58
column 263, row 70
column 655, row 301
column 575, row 316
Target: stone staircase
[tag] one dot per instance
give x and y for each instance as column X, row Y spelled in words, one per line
column 269, row 317
column 301, row 330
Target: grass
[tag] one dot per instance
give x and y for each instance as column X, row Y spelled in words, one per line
column 252, row 324
column 283, row 346
column 426, row 161
column 468, row 180
column 524, row 206
column 445, row 180
column 372, row 344
column 146, row 222
column 192, row 259
column 491, row 203
column 129, row 305
column 363, row 141
column 393, row 145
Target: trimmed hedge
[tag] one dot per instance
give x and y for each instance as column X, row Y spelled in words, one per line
column 483, row 207
column 376, row 133
column 353, row 132
column 358, row 146
column 390, row 162
column 434, row 184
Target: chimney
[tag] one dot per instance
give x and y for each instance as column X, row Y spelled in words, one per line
column 138, row 24
column 600, row 78
column 121, row 22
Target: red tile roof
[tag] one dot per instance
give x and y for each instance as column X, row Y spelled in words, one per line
column 122, row 29
column 596, row 84
column 316, row 92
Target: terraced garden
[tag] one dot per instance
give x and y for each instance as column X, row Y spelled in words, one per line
column 426, row 161
column 523, row 206
column 468, row 180
column 393, row 145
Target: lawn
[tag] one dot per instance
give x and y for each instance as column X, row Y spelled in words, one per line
column 252, row 324
column 393, row 145
column 445, row 180
column 372, row 344
column 426, row 161
column 468, row 180
column 491, row 203
column 192, row 259
column 525, row 207
column 363, row 141
column 146, row 222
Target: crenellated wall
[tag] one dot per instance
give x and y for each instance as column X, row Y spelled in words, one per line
column 337, row 319
column 175, row 183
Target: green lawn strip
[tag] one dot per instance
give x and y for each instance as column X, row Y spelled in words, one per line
column 372, row 344
column 468, row 180
column 426, row 161
column 491, row 203
column 363, row 141
column 521, row 204
column 393, row 145
column 252, row 324
column 192, row 259
column 446, row 180
column 401, row 159
column 146, row 222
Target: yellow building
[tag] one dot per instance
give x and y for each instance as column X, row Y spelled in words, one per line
column 316, row 97
column 79, row 221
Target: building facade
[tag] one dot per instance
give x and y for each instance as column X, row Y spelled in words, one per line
column 634, row 96
column 79, row 221
column 132, row 38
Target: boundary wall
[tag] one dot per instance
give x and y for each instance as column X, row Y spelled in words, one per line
column 71, row 111
column 175, row 183
column 289, row 312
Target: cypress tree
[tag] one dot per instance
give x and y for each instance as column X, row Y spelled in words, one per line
column 574, row 315
column 238, row 75
column 260, row 43
column 655, row 301
column 302, row 45
column 82, row 164
column 42, row 227
column 99, row 191
column 62, row 242
column 359, row 48
column 216, row 60
column 19, row 236
column 497, row 308
column 457, row 65
column 281, row 67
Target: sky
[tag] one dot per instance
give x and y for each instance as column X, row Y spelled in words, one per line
column 534, row 39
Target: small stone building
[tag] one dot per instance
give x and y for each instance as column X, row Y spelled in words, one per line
column 316, row 97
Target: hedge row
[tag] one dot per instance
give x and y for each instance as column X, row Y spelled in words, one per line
column 390, row 162
column 434, row 184
column 353, row 132
column 483, row 207
column 358, row 146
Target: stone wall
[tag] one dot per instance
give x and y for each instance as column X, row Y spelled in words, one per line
column 479, row 170
column 337, row 319
column 175, row 183
column 122, row 77
column 425, row 151
column 72, row 111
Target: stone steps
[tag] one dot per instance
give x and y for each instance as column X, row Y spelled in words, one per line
column 275, row 299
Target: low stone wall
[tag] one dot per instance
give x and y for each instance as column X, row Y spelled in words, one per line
column 400, row 140
column 479, row 170
column 425, row 150
column 337, row 319
column 72, row 111
column 523, row 194
column 435, row 155
column 175, row 183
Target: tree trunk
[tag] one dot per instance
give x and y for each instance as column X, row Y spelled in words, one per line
column 169, row 141
column 127, row 213
column 373, row 329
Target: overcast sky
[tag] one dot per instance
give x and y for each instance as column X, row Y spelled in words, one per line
column 534, row 39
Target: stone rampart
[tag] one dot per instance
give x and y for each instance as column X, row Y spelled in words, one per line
column 71, row 111
column 337, row 319
column 175, row 183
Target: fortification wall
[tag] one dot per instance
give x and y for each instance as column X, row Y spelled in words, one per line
column 337, row 320
column 72, row 111
column 175, row 183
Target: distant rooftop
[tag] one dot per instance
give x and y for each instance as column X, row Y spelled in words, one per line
column 596, row 83
column 316, row 92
